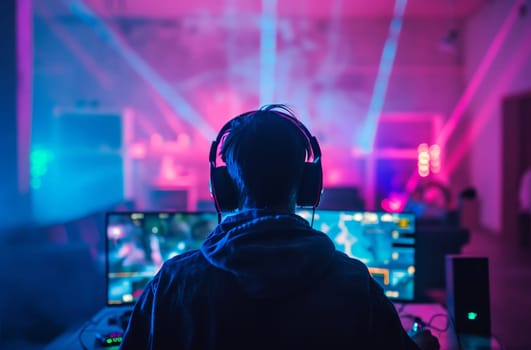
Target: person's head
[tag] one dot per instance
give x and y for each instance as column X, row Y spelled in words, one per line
column 266, row 153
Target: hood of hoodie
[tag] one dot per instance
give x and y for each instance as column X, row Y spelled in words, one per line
column 270, row 254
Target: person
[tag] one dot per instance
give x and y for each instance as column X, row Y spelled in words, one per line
column 264, row 279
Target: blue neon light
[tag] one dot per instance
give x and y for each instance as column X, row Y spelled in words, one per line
column 176, row 101
column 368, row 132
column 268, row 43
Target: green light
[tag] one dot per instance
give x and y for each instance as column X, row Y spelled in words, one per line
column 35, row 183
column 39, row 160
column 109, row 340
column 40, row 155
column 472, row 315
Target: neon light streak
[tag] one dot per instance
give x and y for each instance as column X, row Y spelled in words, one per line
column 92, row 66
column 478, row 76
column 268, row 43
column 491, row 102
column 143, row 69
column 382, row 79
column 73, row 45
column 465, row 99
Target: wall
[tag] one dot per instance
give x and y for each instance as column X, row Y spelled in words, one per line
column 325, row 68
column 510, row 72
column 15, row 114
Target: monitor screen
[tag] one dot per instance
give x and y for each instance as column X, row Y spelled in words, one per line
column 139, row 243
column 384, row 242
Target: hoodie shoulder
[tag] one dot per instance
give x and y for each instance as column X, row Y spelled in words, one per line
column 185, row 261
column 352, row 265
column 351, row 274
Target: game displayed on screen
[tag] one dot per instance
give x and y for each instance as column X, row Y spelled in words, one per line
column 139, row 243
column 384, row 242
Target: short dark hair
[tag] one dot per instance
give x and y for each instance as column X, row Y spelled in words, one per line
column 265, row 154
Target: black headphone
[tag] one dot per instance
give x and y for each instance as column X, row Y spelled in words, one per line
column 224, row 190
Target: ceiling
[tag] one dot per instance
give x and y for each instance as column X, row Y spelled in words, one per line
column 306, row 8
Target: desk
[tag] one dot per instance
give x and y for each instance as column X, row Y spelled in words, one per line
column 442, row 327
column 434, row 312
column 99, row 324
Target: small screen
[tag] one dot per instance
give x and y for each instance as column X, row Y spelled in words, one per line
column 139, row 243
column 384, row 242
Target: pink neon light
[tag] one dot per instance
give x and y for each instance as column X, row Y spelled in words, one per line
column 470, row 90
column 394, row 204
column 138, row 151
column 156, row 140
column 435, row 159
column 423, row 147
column 168, row 174
column 424, row 158
column 472, row 87
column 491, row 102
column 424, row 172
column 423, row 168
column 435, row 151
column 334, row 177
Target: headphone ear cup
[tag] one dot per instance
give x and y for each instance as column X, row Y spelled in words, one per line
column 223, row 189
column 311, row 186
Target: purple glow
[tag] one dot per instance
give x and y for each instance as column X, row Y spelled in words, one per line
column 395, row 203
column 222, row 58
column 480, row 73
column 181, row 106
column 520, row 58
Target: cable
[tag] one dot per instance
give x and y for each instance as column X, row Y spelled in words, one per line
column 81, row 331
column 91, row 321
column 430, row 324
column 457, row 337
column 444, row 329
column 449, row 321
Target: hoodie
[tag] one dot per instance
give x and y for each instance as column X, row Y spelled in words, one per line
column 264, row 280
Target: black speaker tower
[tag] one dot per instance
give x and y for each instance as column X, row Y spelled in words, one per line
column 467, row 291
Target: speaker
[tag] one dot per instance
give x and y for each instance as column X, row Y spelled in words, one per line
column 467, row 292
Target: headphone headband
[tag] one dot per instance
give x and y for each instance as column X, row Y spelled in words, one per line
column 222, row 187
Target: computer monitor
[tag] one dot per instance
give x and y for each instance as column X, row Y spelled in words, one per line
column 139, row 243
column 385, row 242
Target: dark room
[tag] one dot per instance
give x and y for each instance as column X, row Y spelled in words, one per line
column 265, row 174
